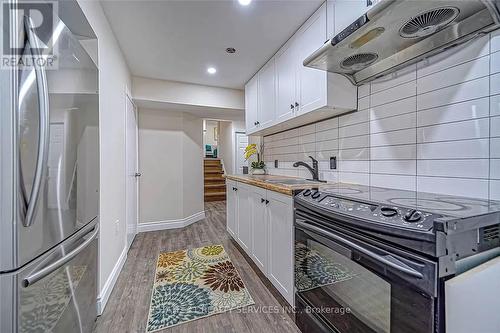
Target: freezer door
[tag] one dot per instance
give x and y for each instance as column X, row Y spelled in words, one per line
column 55, row 293
column 54, row 152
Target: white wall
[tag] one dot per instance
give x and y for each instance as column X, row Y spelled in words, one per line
column 208, row 133
column 171, row 163
column 114, row 76
column 227, row 142
column 434, row 127
column 187, row 94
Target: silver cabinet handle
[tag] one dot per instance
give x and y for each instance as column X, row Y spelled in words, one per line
column 43, row 133
column 37, row 276
column 348, row 243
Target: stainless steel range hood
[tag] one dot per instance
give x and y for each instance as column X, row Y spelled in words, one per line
column 396, row 33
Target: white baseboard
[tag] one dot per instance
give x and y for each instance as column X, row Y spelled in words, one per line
column 103, row 297
column 170, row 224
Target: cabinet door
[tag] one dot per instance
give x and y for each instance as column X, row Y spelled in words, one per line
column 243, row 219
column 285, row 81
column 280, row 244
column 259, row 224
column 348, row 11
column 267, row 94
column 311, row 83
column 251, row 104
column 231, row 208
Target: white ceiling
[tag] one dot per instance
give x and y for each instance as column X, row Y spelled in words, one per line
column 178, row 40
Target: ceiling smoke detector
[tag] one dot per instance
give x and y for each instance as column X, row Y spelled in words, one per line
column 231, row 50
column 428, row 22
column 358, row 61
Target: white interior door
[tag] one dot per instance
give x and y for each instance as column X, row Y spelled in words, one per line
column 241, row 143
column 132, row 172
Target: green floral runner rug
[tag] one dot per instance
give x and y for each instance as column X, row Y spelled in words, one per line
column 193, row 284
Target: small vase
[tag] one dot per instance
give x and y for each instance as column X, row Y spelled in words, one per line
column 258, row 172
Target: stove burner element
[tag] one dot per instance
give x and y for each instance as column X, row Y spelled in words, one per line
column 428, row 204
column 412, row 216
column 315, row 195
column 307, row 193
column 388, row 211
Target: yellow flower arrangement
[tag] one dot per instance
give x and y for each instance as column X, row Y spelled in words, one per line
column 252, row 150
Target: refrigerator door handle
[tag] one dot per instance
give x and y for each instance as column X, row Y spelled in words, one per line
column 43, row 133
column 37, row 276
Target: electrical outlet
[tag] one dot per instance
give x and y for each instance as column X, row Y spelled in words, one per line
column 117, row 227
column 333, row 162
column 275, row 163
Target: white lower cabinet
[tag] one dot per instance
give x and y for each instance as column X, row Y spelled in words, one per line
column 261, row 221
column 280, row 245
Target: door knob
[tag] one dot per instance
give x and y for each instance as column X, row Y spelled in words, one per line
column 138, row 174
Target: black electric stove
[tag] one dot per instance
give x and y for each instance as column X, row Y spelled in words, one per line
column 371, row 259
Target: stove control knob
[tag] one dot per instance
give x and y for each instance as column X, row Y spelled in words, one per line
column 412, row 216
column 315, row 195
column 307, row 193
column 388, row 211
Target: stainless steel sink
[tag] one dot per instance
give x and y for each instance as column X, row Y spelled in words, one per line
column 292, row 181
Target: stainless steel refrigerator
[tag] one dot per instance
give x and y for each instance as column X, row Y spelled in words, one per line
column 49, row 181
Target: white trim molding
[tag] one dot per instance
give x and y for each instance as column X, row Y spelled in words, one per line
column 103, row 297
column 170, row 224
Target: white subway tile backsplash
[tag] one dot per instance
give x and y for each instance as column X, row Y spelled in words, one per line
column 364, row 103
column 355, row 178
column 495, row 148
column 495, row 84
column 453, row 57
column 403, row 121
column 495, row 126
column 354, row 118
column 364, row 90
column 354, row 142
column 396, row 167
column 495, row 105
column 394, row 181
column 458, row 93
column 476, row 188
column 495, row 41
column 471, row 129
column 432, row 127
column 393, row 109
column 471, row 168
column 495, row 62
column 327, row 135
column 495, row 168
column 354, row 130
column 392, row 94
column 454, row 75
column 327, row 145
column 454, row 149
column 495, row 189
column 394, row 152
column 395, row 79
column 400, row 137
column 476, row 108
column 327, row 124
column 354, row 166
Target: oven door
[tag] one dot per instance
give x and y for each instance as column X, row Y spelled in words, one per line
column 352, row 285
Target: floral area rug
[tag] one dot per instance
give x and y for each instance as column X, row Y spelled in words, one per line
column 314, row 270
column 193, row 284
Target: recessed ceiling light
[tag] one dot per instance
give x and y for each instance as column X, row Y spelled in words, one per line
column 244, row 2
column 211, row 70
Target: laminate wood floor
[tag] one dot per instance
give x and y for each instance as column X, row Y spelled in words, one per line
column 128, row 305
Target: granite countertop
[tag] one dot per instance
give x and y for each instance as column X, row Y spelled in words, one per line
column 261, row 181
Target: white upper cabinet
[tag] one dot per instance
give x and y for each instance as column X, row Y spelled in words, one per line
column 251, row 104
column 267, row 94
column 312, row 83
column 299, row 91
column 285, row 80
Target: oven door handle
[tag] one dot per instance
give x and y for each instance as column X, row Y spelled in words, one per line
column 379, row 258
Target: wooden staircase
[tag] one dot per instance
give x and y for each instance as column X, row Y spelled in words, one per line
column 215, row 183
